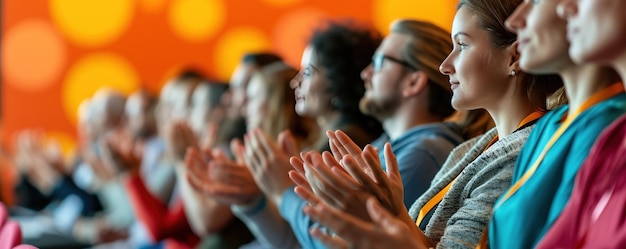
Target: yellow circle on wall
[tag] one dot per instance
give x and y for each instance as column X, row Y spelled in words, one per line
column 196, row 20
column 293, row 31
column 33, row 55
column 92, row 23
column 234, row 44
column 439, row 12
column 93, row 72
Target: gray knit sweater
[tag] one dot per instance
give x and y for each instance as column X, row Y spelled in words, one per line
column 459, row 219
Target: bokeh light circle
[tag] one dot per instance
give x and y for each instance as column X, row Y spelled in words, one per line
column 33, row 55
column 233, row 44
column 439, row 12
column 292, row 31
column 196, row 20
column 93, row 72
column 92, row 23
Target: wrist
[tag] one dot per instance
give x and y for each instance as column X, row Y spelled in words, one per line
column 254, row 206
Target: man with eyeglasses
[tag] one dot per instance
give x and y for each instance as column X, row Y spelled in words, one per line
column 406, row 92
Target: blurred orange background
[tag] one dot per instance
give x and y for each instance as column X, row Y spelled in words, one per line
column 56, row 53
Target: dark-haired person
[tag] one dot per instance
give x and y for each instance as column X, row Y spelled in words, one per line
column 328, row 89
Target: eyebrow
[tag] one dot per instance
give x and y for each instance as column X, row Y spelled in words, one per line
column 461, row 34
column 313, row 66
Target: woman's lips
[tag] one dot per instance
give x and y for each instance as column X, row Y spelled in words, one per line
column 454, row 85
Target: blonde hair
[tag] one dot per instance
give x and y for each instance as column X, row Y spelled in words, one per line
column 280, row 103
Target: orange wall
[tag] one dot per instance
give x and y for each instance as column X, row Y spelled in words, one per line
column 56, row 53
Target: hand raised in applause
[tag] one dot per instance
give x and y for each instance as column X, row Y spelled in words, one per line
column 214, row 174
column 269, row 162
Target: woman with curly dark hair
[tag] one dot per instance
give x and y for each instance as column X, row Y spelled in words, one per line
column 329, row 86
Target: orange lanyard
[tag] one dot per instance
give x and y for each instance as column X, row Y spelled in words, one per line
column 439, row 196
column 598, row 97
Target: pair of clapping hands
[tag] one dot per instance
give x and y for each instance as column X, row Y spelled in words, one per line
column 260, row 168
column 349, row 193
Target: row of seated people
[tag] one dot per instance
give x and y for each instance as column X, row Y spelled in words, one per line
column 361, row 148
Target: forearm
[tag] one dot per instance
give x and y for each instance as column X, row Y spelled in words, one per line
column 268, row 227
column 291, row 211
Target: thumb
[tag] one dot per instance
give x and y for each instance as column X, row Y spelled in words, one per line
column 238, row 150
column 378, row 214
column 210, row 135
column 288, row 143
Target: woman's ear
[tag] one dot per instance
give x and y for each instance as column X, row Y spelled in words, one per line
column 417, row 82
column 513, row 65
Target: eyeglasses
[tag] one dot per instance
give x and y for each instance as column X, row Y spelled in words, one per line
column 378, row 59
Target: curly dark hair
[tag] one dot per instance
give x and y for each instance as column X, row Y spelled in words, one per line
column 344, row 50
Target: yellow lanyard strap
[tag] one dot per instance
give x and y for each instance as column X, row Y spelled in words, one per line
column 439, row 196
column 598, row 97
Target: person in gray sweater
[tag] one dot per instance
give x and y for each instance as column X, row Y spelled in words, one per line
column 455, row 210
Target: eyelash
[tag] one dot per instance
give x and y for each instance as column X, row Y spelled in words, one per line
column 306, row 72
column 461, row 45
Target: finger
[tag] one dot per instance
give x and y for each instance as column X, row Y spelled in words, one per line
column 265, row 145
column 339, row 171
column 196, row 167
column 210, row 135
column 288, row 143
column 347, row 143
column 299, row 179
column 307, row 195
column 321, row 188
column 393, row 170
column 332, row 181
column 338, row 150
column 329, row 159
column 342, row 174
column 314, row 158
column 219, row 155
column 372, row 161
column 357, row 173
column 297, row 164
column 238, row 150
column 329, row 241
column 252, row 161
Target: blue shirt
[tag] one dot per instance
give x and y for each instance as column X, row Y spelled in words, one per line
column 524, row 218
column 420, row 153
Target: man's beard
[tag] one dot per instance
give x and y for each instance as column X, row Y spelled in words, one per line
column 380, row 109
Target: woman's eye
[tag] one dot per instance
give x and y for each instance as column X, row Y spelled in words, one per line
column 462, row 46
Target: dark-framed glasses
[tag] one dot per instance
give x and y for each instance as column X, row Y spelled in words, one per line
column 379, row 58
